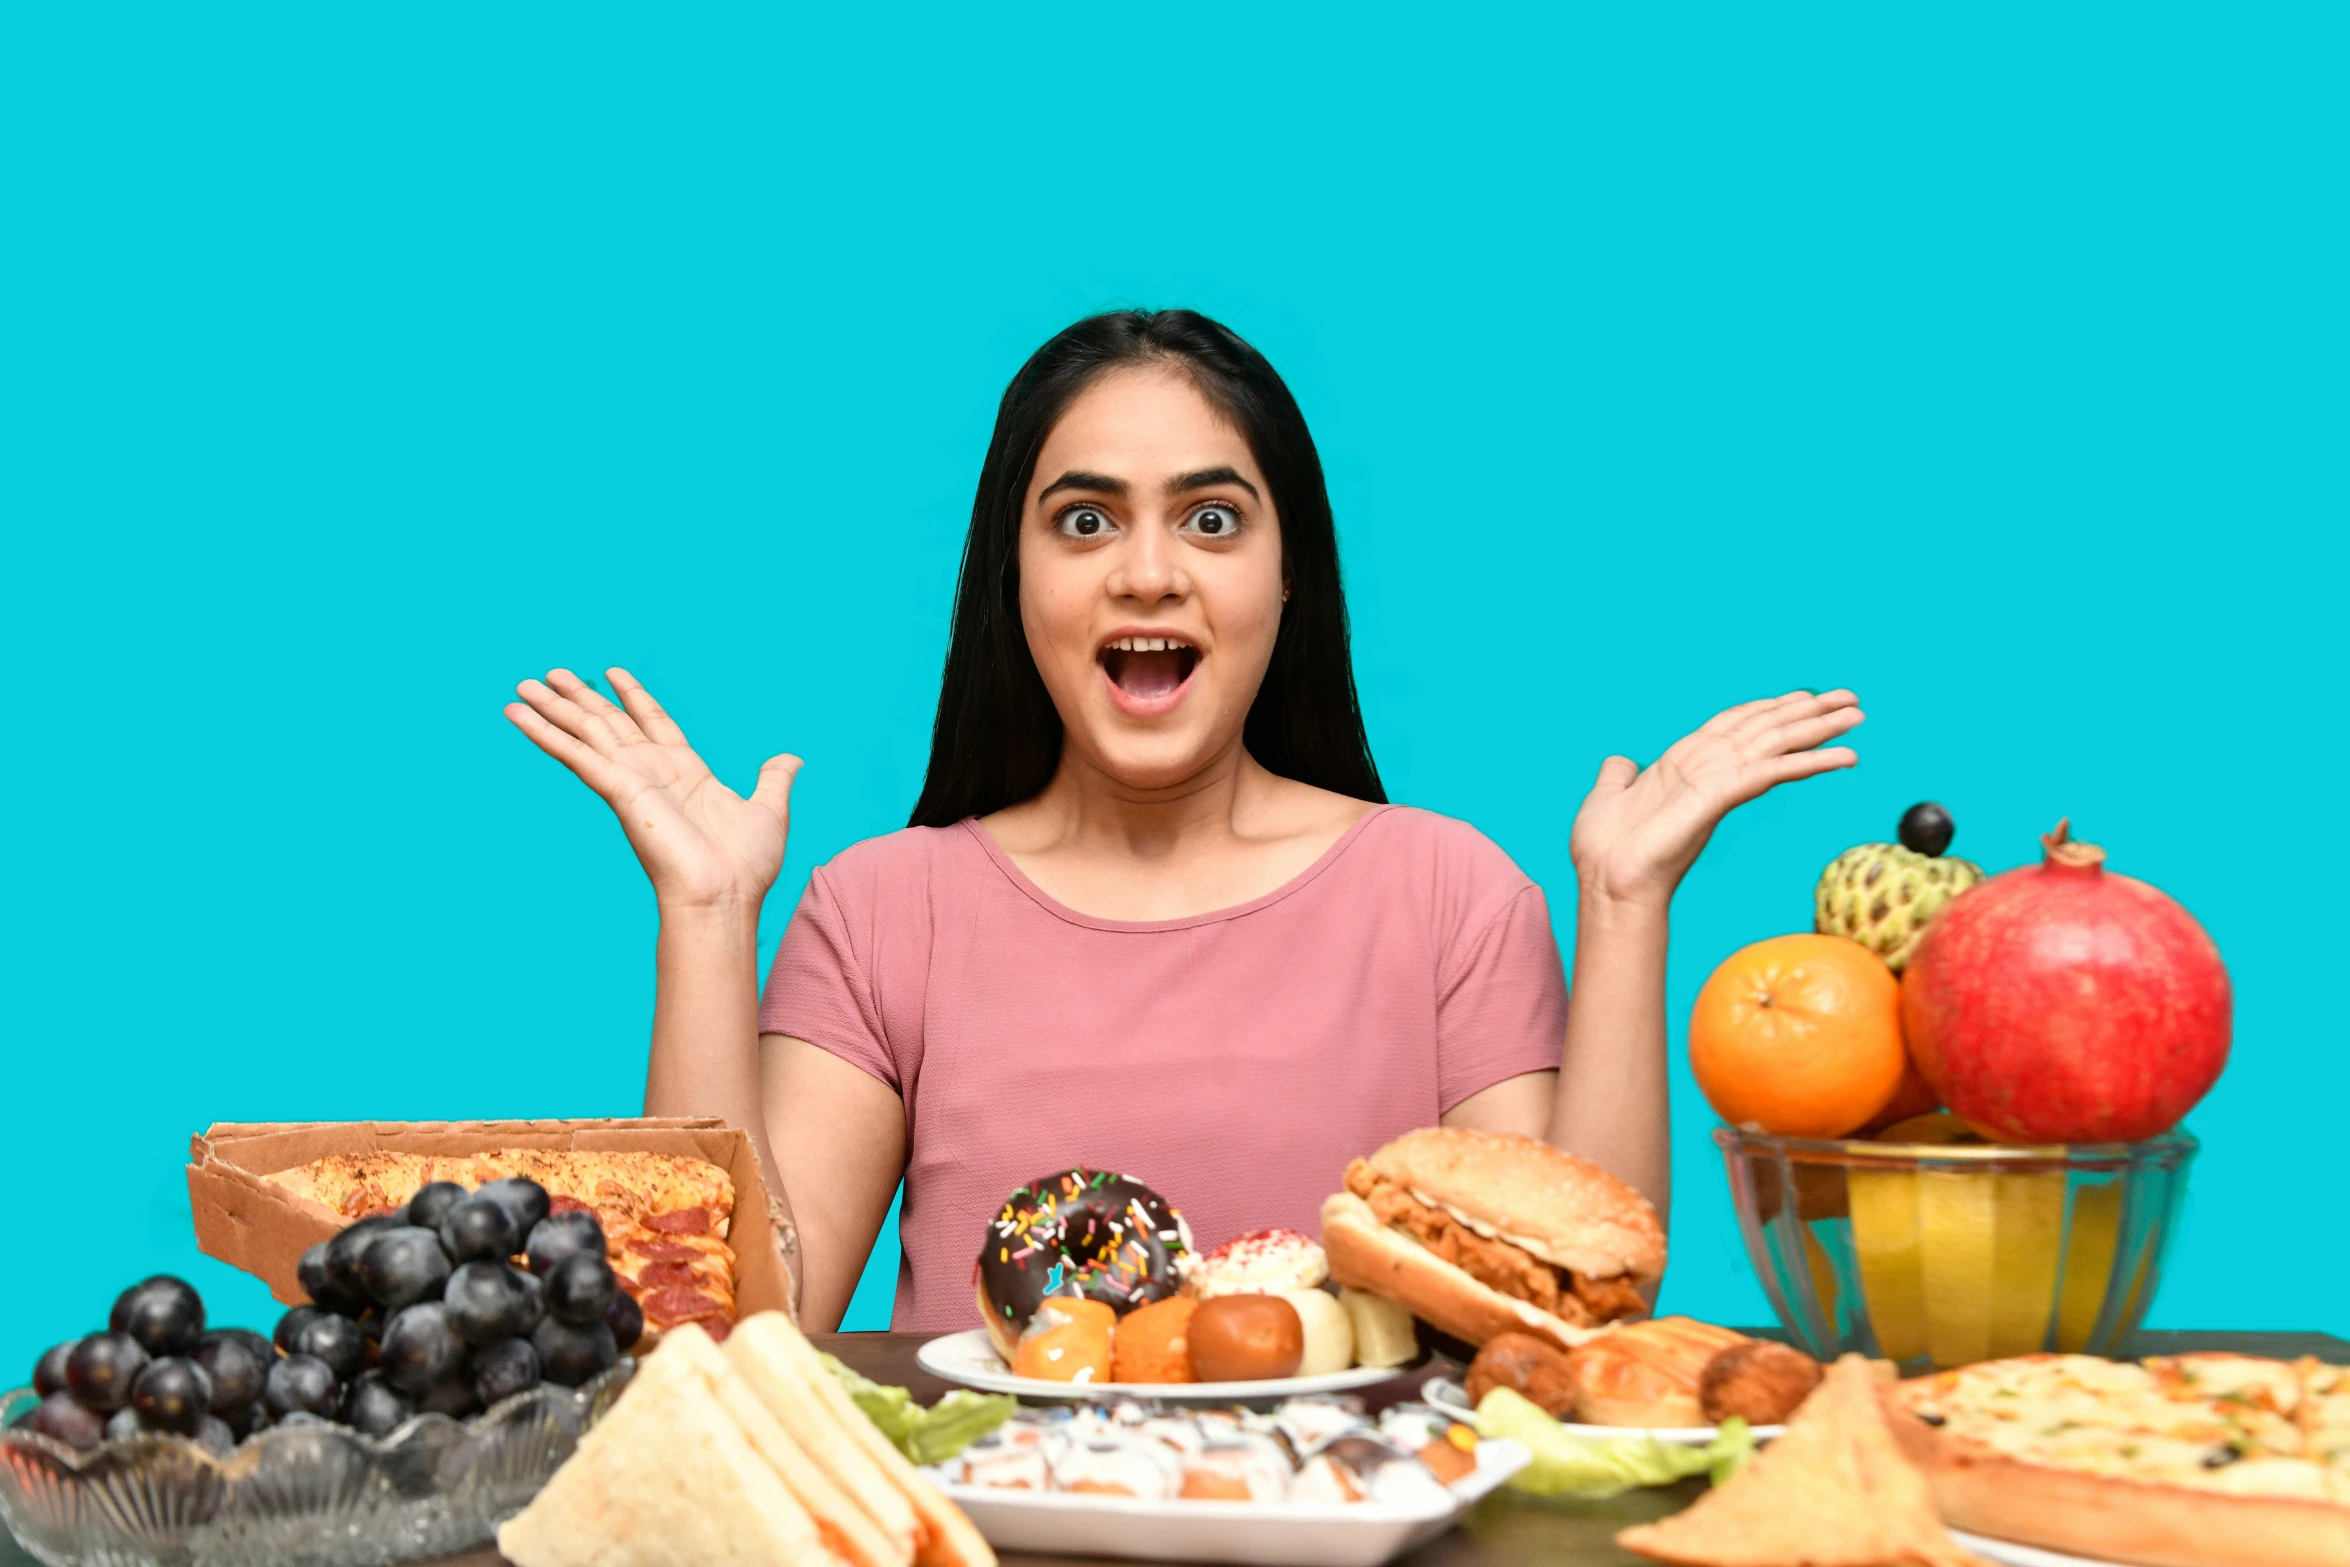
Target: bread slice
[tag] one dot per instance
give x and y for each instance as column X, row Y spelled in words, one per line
column 666, row 1479
column 1834, row 1491
column 844, row 1526
column 782, row 1366
column 1567, row 1211
column 1367, row 1255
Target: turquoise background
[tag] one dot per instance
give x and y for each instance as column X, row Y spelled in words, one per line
column 355, row 365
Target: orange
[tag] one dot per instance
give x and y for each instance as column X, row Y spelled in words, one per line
column 1800, row 1035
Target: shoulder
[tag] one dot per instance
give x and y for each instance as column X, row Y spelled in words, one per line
column 1450, row 851
column 908, row 861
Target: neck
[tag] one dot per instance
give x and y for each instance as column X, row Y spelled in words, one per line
column 1085, row 806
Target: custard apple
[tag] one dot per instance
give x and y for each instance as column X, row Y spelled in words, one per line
column 1882, row 894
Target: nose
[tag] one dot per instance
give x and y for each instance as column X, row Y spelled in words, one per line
column 1149, row 569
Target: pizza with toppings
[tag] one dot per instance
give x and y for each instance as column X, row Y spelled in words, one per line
column 2201, row 1460
column 665, row 1216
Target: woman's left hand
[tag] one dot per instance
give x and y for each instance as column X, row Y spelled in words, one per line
column 1640, row 829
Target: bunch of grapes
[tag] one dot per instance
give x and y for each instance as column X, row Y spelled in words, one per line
column 414, row 1311
column 154, row 1369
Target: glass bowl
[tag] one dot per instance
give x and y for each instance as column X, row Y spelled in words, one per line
column 1934, row 1255
column 296, row 1496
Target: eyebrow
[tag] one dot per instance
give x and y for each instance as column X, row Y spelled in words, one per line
column 1208, row 478
column 1079, row 479
column 1198, row 479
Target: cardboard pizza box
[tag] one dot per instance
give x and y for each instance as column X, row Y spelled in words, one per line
column 263, row 1229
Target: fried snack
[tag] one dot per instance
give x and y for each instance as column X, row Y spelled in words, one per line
column 1149, row 1345
column 1834, row 1491
column 1759, row 1382
column 1067, row 1340
column 1527, row 1365
column 1646, row 1374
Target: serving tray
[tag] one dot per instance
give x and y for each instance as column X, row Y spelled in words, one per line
column 1259, row 1534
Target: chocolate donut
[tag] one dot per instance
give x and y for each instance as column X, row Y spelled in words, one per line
column 1077, row 1232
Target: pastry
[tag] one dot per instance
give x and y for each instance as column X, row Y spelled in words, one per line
column 1150, row 1343
column 1078, row 1232
column 1245, row 1338
column 1646, row 1373
column 1067, row 1340
column 1262, row 1262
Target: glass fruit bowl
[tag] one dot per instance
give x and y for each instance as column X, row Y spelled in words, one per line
column 295, row 1496
column 1937, row 1254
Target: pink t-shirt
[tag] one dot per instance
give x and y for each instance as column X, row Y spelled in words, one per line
column 1235, row 1061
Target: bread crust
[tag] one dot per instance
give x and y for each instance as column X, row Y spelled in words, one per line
column 1367, row 1255
column 2113, row 1518
column 1567, row 1211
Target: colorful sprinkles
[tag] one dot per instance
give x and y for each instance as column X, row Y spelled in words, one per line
column 1083, row 1232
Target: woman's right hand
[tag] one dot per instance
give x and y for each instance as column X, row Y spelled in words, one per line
column 703, row 845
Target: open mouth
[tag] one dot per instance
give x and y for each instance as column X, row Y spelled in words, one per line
column 1148, row 668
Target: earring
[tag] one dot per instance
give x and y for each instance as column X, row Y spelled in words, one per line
column 1284, row 595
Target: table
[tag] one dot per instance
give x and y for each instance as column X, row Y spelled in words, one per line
column 1506, row 1530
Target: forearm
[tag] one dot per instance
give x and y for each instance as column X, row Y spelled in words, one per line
column 705, row 1056
column 1612, row 1100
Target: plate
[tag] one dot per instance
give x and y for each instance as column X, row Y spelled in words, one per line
column 970, row 1359
column 1453, row 1399
column 2014, row 1555
column 1259, row 1534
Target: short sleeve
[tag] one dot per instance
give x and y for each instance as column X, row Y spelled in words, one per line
column 817, row 991
column 1502, row 1008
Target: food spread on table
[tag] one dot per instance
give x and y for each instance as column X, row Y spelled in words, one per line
column 1921, row 1018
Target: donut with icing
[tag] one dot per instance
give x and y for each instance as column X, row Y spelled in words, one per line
column 1080, row 1232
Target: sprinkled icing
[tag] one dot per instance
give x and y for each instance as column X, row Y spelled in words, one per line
column 1084, row 1232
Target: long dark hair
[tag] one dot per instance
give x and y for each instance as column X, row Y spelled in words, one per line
column 998, row 739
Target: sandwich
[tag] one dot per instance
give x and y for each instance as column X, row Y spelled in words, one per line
column 750, row 1454
column 1480, row 1233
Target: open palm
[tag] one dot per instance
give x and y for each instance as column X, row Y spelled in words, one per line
column 700, row 842
column 1640, row 829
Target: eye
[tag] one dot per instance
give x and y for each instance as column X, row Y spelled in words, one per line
column 1214, row 520
column 1082, row 522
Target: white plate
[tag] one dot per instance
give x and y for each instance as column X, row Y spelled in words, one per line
column 1261, row 1534
column 2014, row 1555
column 970, row 1359
column 1453, row 1399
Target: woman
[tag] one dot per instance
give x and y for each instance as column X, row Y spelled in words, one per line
column 1153, row 913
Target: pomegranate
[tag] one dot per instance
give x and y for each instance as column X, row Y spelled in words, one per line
column 2061, row 1003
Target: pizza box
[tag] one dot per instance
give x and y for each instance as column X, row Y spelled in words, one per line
column 250, row 1224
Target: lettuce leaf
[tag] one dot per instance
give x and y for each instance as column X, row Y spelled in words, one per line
column 925, row 1436
column 1569, row 1464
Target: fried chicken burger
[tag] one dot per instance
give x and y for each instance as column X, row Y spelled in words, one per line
column 1479, row 1233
